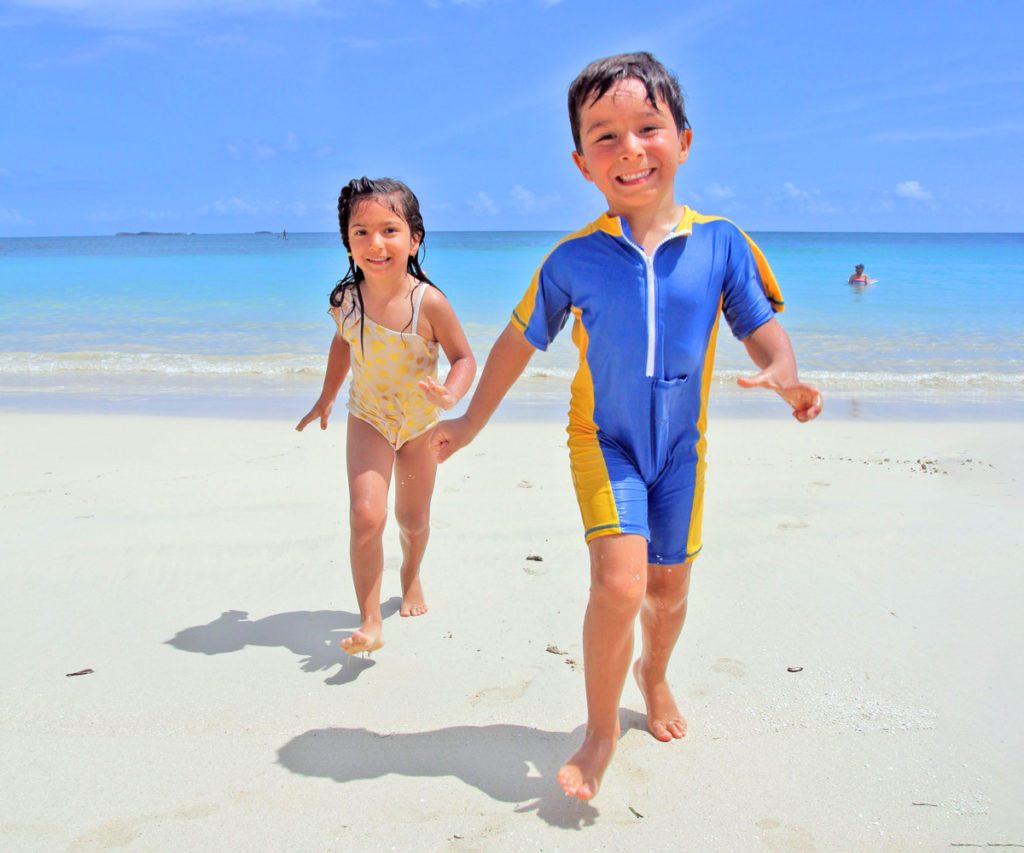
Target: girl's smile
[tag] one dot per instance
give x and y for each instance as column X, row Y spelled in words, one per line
column 380, row 240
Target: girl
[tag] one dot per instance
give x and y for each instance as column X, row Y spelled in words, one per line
column 390, row 320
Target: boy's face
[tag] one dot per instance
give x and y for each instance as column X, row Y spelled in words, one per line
column 631, row 150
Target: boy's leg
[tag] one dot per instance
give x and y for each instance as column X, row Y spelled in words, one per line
column 618, row 578
column 661, row 620
column 370, row 460
column 415, row 470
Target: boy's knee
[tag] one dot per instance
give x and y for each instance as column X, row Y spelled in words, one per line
column 621, row 589
column 368, row 517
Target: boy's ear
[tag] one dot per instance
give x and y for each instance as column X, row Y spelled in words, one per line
column 685, row 140
column 581, row 164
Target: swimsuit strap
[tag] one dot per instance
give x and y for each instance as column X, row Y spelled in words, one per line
column 417, row 298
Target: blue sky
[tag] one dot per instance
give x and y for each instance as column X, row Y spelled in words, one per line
column 240, row 115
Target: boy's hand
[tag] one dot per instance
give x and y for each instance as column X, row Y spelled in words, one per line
column 805, row 399
column 449, row 436
column 437, row 394
column 320, row 410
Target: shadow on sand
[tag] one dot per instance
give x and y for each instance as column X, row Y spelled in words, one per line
column 512, row 764
column 313, row 635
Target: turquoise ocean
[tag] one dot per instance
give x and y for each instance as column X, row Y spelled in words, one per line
column 236, row 325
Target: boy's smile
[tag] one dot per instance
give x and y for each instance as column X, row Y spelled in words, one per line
column 631, row 149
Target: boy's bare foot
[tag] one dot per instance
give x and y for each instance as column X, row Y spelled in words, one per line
column 413, row 603
column 581, row 775
column 366, row 638
column 663, row 718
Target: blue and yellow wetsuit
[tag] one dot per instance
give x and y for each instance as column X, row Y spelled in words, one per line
column 645, row 328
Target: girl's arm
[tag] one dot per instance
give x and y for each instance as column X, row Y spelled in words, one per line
column 769, row 348
column 448, row 331
column 338, row 361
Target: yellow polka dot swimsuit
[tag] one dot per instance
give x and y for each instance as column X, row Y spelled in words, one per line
column 387, row 367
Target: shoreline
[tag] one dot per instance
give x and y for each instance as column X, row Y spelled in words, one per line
column 529, row 401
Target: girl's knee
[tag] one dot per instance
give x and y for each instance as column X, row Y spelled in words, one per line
column 413, row 523
column 368, row 517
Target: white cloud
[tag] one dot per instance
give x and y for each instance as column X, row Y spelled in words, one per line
column 527, row 201
column 718, row 191
column 237, row 206
column 11, row 216
column 257, row 150
column 809, row 201
column 1010, row 128
column 793, row 191
column 483, row 204
column 141, row 14
column 913, row 190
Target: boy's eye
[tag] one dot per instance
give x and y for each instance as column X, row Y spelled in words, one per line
column 604, row 137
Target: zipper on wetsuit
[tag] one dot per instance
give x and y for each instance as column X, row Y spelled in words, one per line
column 652, row 295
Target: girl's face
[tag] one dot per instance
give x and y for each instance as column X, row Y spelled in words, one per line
column 380, row 240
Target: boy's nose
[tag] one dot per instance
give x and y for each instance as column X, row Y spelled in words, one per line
column 631, row 145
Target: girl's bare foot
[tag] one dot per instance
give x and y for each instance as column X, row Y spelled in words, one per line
column 413, row 603
column 367, row 638
column 663, row 718
column 581, row 775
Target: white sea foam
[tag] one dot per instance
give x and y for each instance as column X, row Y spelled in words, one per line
column 552, row 376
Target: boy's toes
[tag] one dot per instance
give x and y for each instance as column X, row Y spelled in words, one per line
column 660, row 731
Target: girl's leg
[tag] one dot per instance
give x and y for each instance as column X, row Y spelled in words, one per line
column 415, row 469
column 370, row 460
column 661, row 620
column 618, row 578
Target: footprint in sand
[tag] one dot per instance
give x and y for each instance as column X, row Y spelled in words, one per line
column 775, row 836
column 730, row 667
column 499, row 695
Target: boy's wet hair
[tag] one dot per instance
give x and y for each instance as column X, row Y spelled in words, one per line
column 594, row 81
column 399, row 198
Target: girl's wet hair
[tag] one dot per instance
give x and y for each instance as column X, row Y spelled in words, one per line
column 594, row 81
column 400, row 199
column 859, row 268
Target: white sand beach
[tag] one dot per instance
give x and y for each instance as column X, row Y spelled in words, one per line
column 199, row 568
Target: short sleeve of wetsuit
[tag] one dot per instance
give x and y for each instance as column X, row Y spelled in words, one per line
column 751, row 294
column 544, row 308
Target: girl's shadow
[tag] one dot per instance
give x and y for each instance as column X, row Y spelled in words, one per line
column 513, row 764
column 314, row 635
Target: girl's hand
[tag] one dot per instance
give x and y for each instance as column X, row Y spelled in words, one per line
column 805, row 399
column 437, row 394
column 320, row 410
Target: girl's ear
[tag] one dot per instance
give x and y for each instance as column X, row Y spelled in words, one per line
column 414, row 246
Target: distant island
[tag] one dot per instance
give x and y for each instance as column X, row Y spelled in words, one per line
column 151, row 234
column 263, row 232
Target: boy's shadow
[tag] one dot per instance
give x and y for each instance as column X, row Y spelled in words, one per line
column 513, row 764
column 312, row 634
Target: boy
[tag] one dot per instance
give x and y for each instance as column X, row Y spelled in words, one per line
column 645, row 283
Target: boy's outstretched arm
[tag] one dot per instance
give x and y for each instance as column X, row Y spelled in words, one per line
column 507, row 360
column 769, row 348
